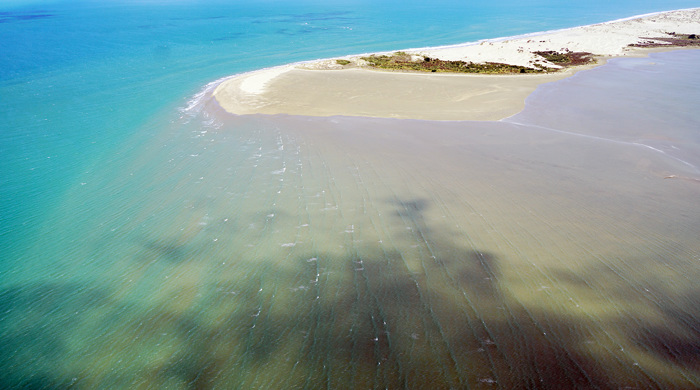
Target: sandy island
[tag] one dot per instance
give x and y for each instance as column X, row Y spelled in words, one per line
column 353, row 88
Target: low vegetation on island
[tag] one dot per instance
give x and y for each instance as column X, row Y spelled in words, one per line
column 566, row 58
column 558, row 60
column 674, row 40
column 402, row 61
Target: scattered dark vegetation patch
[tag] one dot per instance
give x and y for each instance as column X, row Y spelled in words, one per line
column 342, row 62
column 403, row 61
column 675, row 40
column 566, row 58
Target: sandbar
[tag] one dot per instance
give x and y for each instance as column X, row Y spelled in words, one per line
column 327, row 88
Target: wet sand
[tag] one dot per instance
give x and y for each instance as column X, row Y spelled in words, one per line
column 368, row 93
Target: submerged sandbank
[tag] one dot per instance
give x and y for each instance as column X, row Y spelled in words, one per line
column 327, row 88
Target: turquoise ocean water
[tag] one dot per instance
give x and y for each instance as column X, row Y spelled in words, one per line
column 150, row 241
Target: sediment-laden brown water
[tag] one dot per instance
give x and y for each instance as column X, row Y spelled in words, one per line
column 555, row 249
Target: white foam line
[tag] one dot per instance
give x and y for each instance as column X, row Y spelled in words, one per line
column 667, row 155
column 196, row 99
column 193, row 105
column 507, row 120
column 254, row 87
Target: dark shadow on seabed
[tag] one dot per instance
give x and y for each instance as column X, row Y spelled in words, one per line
column 377, row 325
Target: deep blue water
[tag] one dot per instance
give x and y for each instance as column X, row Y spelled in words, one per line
column 112, row 200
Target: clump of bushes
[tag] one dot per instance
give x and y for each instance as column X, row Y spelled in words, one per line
column 675, row 40
column 553, row 56
column 684, row 36
column 403, row 61
column 566, row 58
column 342, row 62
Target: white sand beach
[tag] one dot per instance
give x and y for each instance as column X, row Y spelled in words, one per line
column 327, row 88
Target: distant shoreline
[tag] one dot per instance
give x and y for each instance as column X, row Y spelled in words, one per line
column 423, row 84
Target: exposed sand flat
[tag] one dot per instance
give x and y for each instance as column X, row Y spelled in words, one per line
column 362, row 92
column 325, row 88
